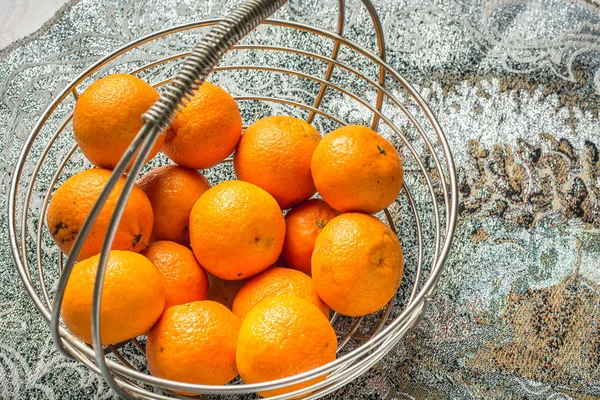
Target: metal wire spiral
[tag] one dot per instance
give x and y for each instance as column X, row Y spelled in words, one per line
column 438, row 183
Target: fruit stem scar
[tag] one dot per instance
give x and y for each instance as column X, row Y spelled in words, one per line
column 381, row 149
column 60, row 225
column 321, row 224
column 136, row 239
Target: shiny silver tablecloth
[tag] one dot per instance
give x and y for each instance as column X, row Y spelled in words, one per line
column 514, row 84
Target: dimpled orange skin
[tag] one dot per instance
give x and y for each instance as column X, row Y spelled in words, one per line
column 302, row 226
column 173, row 190
column 108, row 115
column 284, row 336
column 185, row 280
column 357, row 264
column 274, row 154
column 133, row 297
column 356, row 170
column 194, row 343
column 207, row 129
column 73, row 201
column 276, row 281
column 236, row 230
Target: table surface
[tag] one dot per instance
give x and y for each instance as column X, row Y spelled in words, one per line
column 514, row 84
column 23, row 17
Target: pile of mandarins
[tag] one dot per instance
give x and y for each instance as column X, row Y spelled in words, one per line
column 220, row 281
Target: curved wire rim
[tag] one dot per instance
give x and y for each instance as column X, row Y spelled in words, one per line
column 423, row 294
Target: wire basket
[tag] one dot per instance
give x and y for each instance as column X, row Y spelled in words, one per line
column 280, row 67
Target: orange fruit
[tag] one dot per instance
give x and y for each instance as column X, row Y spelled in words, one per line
column 356, row 170
column 207, row 129
column 173, row 190
column 108, row 115
column 223, row 291
column 185, row 280
column 276, row 281
column 236, row 230
column 194, row 343
column 73, row 201
column 274, row 154
column 357, row 264
column 284, row 336
column 302, row 226
column 133, row 297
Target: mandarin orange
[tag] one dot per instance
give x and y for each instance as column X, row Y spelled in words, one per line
column 206, row 130
column 276, row 281
column 185, row 280
column 73, row 201
column 274, row 154
column 133, row 297
column 357, row 264
column 236, row 230
column 194, row 343
column 302, row 226
column 108, row 115
column 284, row 336
column 173, row 190
column 356, row 170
